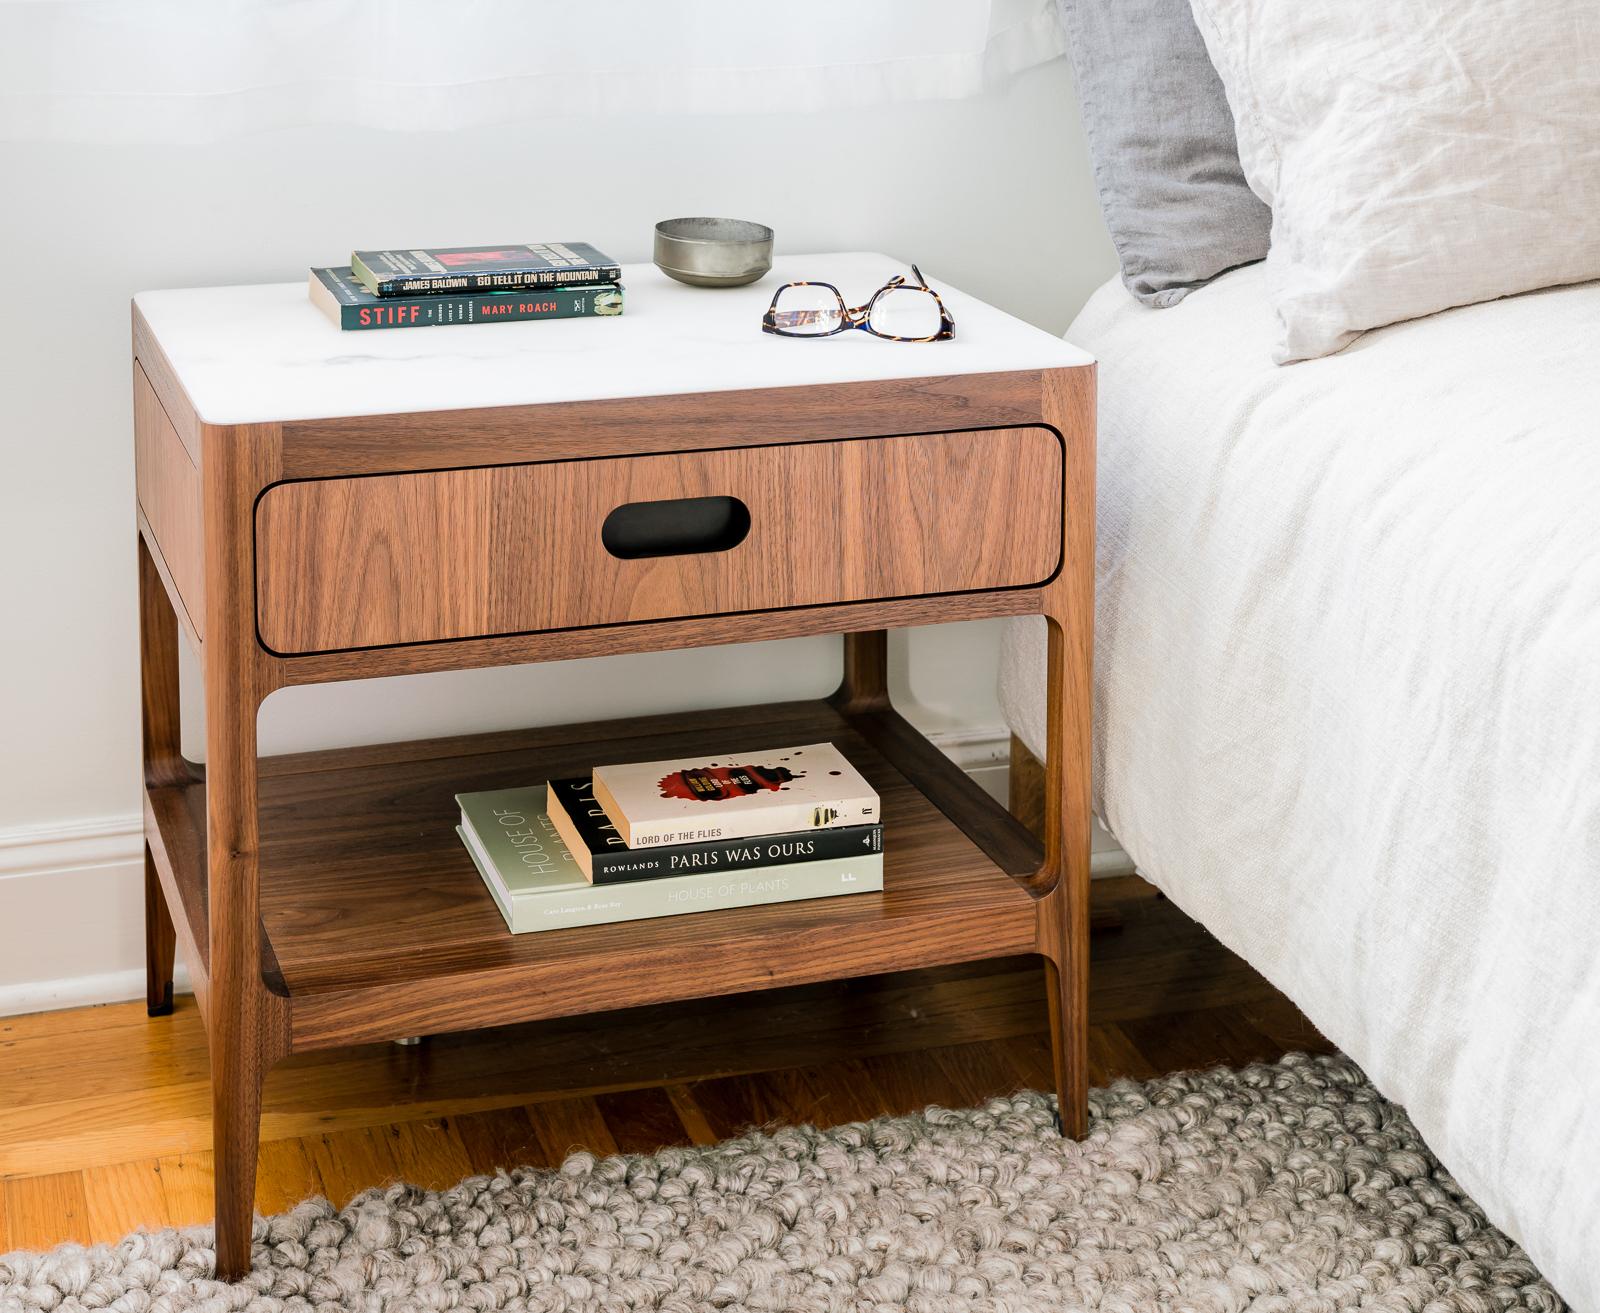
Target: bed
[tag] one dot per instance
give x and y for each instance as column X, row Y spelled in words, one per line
column 1348, row 700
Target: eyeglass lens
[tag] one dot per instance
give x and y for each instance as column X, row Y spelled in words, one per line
column 805, row 309
column 905, row 312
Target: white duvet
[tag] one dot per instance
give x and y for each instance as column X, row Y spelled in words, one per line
column 1347, row 699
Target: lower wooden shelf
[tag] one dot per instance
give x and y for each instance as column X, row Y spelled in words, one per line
column 379, row 925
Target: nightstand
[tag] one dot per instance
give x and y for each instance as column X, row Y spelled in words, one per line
column 319, row 506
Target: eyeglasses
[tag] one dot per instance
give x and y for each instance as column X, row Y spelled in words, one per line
column 900, row 310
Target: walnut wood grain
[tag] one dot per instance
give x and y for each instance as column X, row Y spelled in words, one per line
column 631, row 426
column 248, row 1021
column 1068, row 401
column 168, row 486
column 654, row 636
column 415, row 558
column 864, row 681
column 178, row 856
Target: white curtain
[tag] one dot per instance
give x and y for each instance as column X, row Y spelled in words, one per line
column 206, row 70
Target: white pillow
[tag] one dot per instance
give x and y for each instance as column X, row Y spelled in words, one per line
column 1417, row 154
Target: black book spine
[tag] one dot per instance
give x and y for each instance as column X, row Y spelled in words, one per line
column 510, row 281
column 737, row 854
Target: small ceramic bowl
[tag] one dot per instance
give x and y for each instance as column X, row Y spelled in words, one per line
column 713, row 252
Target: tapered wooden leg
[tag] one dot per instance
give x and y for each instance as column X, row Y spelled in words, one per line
column 243, row 1042
column 1068, row 819
column 1067, row 979
column 246, row 1027
column 160, row 942
column 237, row 1075
column 1064, row 911
column 163, row 763
column 247, row 1024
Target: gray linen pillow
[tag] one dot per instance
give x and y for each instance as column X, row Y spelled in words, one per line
column 1161, row 140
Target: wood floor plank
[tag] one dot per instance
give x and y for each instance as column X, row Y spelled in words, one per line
column 116, row 1126
column 285, row 1176
column 1285, row 1025
column 823, row 1096
column 144, row 1052
column 1030, row 1057
column 187, row 1188
column 563, row 1126
column 35, row 1073
column 1113, row 1056
column 641, row 1121
column 910, row 1082
column 497, row 1141
column 68, row 1021
column 428, row 1154
column 42, row 1211
column 981, row 1071
column 1203, row 1038
column 691, row 1114
column 351, row 1161
column 729, row 1105
column 122, row 1198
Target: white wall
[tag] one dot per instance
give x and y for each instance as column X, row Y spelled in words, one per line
column 991, row 194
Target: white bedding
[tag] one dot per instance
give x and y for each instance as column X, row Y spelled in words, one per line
column 1347, row 700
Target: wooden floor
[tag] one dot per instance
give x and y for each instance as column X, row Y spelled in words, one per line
column 105, row 1113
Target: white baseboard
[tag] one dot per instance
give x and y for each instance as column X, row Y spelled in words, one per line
column 71, row 845
column 71, row 914
column 72, row 895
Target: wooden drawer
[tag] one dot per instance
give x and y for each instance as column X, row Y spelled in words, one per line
column 418, row 558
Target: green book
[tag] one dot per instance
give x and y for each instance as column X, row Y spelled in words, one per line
column 420, row 271
column 537, row 884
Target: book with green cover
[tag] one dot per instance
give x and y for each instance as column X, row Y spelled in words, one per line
column 537, row 884
column 482, row 268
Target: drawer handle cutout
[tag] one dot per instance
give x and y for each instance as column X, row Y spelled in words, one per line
column 681, row 527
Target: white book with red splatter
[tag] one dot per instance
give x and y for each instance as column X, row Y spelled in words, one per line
column 739, row 795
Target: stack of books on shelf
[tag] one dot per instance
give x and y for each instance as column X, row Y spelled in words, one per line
column 662, row 838
column 469, row 285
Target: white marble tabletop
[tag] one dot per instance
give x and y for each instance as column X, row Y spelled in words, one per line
column 263, row 353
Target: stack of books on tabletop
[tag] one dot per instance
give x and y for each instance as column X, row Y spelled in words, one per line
column 662, row 838
column 469, row 285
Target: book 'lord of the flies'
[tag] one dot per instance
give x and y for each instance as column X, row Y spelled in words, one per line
column 734, row 795
column 482, row 268
column 537, row 885
column 345, row 301
column 594, row 842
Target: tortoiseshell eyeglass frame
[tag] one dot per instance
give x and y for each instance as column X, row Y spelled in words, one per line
column 861, row 316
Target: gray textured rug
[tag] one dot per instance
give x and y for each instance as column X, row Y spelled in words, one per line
column 1286, row 1187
